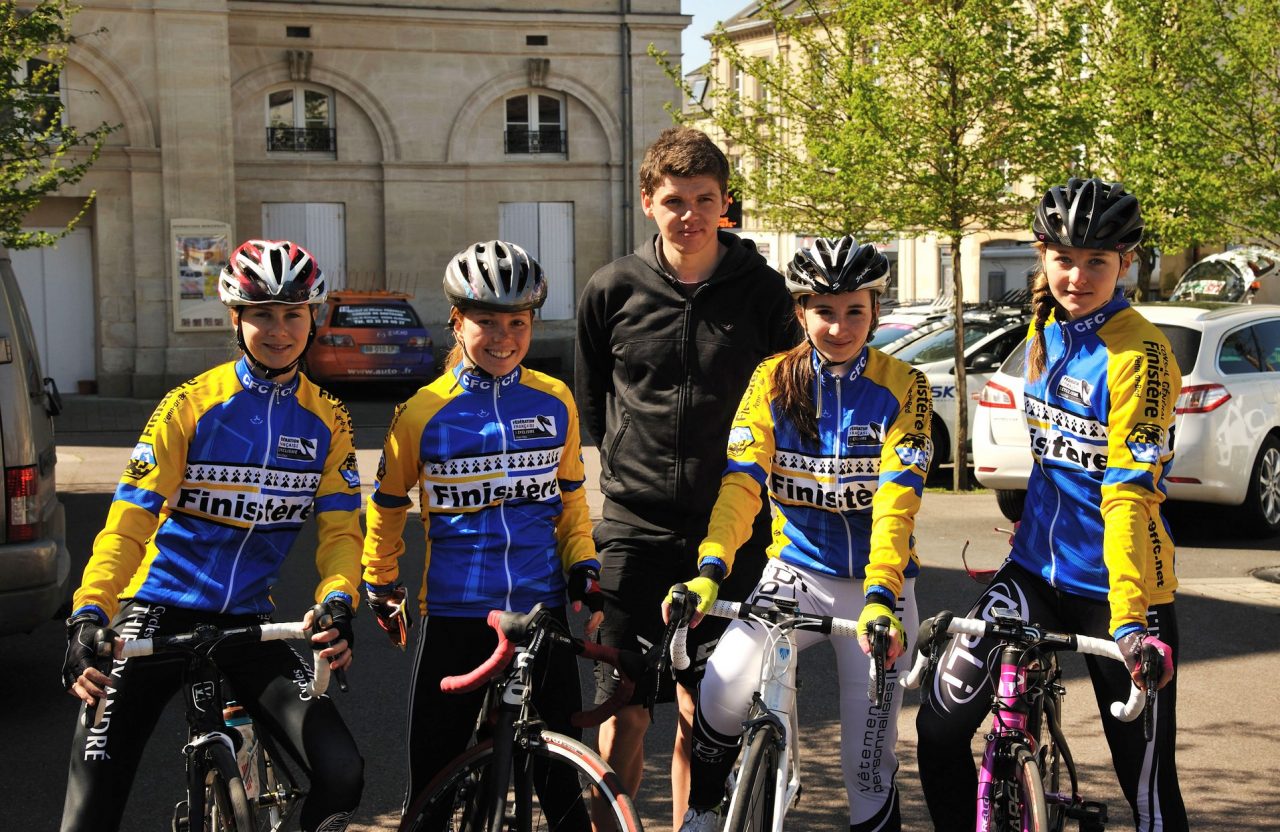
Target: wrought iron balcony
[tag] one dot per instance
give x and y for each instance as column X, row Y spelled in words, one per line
column 302, row 139
column 522, row 140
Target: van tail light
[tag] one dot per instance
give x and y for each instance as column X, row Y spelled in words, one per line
column 419, row 341
column 1202, row 398
column 336, row 340
column 21, row 493
column 994, row 395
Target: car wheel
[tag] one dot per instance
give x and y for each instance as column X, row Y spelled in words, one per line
column 1262, row 503
column 941, row 443
column 1011, row 503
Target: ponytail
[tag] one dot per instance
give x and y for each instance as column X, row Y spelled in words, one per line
column 793, row 390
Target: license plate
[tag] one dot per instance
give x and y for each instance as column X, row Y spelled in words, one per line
column 380, row 349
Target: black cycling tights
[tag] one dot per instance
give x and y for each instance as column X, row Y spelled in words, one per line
column 959, row 697
column 268, row 678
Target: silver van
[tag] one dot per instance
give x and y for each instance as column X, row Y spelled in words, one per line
column 35, row 567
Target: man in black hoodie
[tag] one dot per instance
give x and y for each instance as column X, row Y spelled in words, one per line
column 667, row 340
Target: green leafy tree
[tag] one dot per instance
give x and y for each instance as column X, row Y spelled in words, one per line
column 38, row 153
column 1187, row 96
column 884, row 116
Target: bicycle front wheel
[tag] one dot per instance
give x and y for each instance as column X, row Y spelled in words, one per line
column 752, row 807
column 226, row 807
column 550, row 790
column 1035, row 814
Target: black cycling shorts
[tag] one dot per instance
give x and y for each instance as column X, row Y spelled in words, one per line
column 638, row 567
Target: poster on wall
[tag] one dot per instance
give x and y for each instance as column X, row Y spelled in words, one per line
column 201, row 248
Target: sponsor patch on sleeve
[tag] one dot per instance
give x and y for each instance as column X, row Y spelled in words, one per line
column 914, row 449
column 350, row 471
column 1145, row 442
column 740, row 438
column 141, row 462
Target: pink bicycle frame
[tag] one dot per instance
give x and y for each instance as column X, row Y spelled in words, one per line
column 1010, row 720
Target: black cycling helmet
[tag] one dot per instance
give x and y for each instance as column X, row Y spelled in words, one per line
column 1089, row 213
column 836, row 265
column 271, row 271
column 494, row 275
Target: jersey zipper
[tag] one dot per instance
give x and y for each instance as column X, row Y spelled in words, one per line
column 502, row 506
column 1057, row 492
column 680, row 398
column 235, row 563
column 848, row 532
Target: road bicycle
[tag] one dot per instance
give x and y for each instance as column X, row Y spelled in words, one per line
column 1028, row 781
column 767, row 781
column 505, row 782
column 217, row 798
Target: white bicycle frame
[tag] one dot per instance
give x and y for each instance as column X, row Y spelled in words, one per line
column 776, row 693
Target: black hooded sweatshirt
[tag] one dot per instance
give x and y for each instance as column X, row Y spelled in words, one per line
column 660, row 371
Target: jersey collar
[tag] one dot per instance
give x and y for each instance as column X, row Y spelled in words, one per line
column 262, row 386
column 819, row 365
column 476, row 379
column 1094, row 320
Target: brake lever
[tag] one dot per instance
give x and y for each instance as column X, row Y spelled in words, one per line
column 878, row 634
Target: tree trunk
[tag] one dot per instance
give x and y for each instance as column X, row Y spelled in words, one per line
column 1146, row 266
column 960, row 440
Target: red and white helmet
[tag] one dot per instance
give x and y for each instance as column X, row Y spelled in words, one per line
column 271, row 271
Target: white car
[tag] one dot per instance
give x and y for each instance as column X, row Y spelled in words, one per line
column 990, row 335
column 1227, row 428
column 900, row 321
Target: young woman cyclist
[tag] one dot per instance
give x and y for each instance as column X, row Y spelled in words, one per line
column 1092, row 554
column 838, row 434
column 227, row 470
column 493, row 449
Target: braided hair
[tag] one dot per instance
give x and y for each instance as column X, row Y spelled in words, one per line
column 1043, row 304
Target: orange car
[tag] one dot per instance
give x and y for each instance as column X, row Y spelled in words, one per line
column 370, row 336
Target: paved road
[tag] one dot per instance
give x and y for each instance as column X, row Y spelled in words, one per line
column 1229, row 750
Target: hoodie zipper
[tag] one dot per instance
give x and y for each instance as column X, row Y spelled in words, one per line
column 235, row 564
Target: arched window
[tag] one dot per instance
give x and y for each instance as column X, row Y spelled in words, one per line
column 300, row 119
column 535, row 123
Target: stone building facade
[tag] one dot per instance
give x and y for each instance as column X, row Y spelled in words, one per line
column 386, row 135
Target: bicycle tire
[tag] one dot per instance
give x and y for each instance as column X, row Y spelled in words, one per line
column 752, row 808
column 1049, row 765
column 453, row 800
column 226, row 806
column 1034, row 814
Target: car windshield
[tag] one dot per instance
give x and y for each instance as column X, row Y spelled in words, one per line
column 1186, row 345
column 356, row 316
column 941, row 344
column 1210, row 280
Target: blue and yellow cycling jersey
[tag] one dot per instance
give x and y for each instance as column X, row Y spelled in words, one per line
column 226, row 471
column 845, row 506
column 498, row 467
column 1101, row 422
